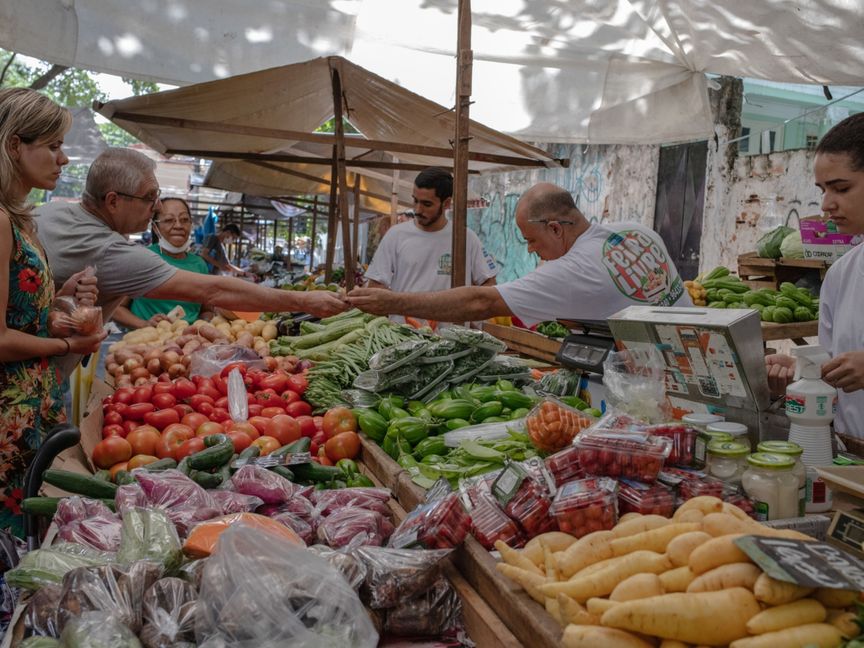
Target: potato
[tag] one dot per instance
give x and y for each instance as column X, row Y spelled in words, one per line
column 680, row 547
column 775, row 592
column 808, row 635
column 716, row 552
column 725, row 577
column 636, row 587
column 653, row 540
column 590, row 636
column 787, row 616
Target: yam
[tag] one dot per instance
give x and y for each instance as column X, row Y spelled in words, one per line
column 636, row 587
column 551, row 605
column 628, row 516
column 835, row 598
column 677, row 580
column 680, row 547
column 845, row 622
column 693, row 515
column 725, row 577
column 735, row 511
column 712, row 618
column 550, row 566
column 671, row 643
column 787, row 616
column 775, row 592
column 529, row 581
column 719, row 524
column 588, row 550
column 716, row 552
column 602, row 582
column 555, row 540
column 653, row 540
column 597, row 606
column 572, row 611
column 515, row 558
column 591, row 636
column 639, row 525
column 704, row 503
column 810, row 635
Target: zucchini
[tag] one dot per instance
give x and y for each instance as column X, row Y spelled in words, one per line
column 212, row 457
column 282, row 471
column 315, row 472
column 80, row 484
column 163, row 464
column 47, row 506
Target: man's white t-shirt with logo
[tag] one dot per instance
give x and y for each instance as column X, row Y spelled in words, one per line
column 409, row 259
column 841, row 329
column 610, row 267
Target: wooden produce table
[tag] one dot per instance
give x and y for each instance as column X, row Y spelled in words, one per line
column 795, row 331
column 757, row 272
column 528, row 622
column 528, row 343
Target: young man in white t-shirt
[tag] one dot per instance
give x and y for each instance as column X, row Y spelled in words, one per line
column 416, row 256
column 591, row 271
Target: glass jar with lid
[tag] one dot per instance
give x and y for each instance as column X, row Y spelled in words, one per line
column 770, row 482
column 727, row 460
column 800, row 471
column 738, row 431
column 700, row 422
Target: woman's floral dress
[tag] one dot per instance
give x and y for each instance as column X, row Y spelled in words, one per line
column 31, row 398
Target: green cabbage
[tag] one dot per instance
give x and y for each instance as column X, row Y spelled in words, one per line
column 791, row 247
column 768, row 247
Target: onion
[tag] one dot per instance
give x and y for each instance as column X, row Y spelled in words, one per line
column 140, row 372
column 152, row 354
column 131, row 364
column 140, row 381
column 177, row 369
column 169, row 358
column 302, row 365
column 112, row 367
column 154, row 366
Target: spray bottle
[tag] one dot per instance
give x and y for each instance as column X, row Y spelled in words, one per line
column 810, row 406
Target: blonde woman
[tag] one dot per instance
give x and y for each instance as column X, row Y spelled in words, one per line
column 31, row 400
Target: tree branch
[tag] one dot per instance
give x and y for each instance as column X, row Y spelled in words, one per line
column 6, row 67
column 48, row 77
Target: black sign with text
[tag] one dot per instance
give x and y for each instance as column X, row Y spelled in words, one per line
column 809, row 564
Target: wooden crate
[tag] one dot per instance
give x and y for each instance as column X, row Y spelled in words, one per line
column 526, row 619
column 791, row 331
column 757, row 272
column 528, row 343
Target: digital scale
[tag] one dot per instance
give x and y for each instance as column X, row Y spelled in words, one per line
column 847, row 531
column 586, row 350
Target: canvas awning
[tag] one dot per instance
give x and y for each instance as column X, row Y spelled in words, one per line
column 602, row 71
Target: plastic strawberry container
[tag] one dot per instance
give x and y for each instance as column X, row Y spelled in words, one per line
column 441, row 524
column 524, row 499
column 683, row 438
column 692, row 483
column 586, row 505
column 621, row 454
column 646, row 499
column 564, row 465
column 489, row 523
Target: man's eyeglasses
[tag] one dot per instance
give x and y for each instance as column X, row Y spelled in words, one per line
column 152, row 200
column 171, row 222
column 546, row 221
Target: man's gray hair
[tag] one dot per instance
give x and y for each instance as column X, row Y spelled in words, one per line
column 552, row 205
column 117, row 169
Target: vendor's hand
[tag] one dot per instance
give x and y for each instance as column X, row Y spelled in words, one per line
column 781, row 371
column 378, row 301
column 845, row 371
column 323, row 303
column 158, row 317
column 82, row 286
column 84, row 344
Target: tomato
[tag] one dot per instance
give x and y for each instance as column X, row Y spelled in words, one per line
column 184, row 388
column 162, row 388
column 162, row 419
column 110, row 451
column 112, row 429
column 130, row 426
column 193, row 420
column 299, row 408
column 112, row 418
column 221, row 385
column 313, row 447
column 144, row 440
column 253, row 378
column 183, row 409
column 220, row 415
column 209, row 390
column 255, row 410
column 142, row 394
column 206, row 409
column 284, row 428
column 289, row 396
column 121, row 409
column 123, row 395
column 123, row 465
column 176, row 434
column 240, row 366
column 322, row 457
column 319, row 423
column 268, row 398
column 208, row 428
column 137, row 411
column 345, row 445
column 241, row 441
column 163, row 400
column 243, row 426
column 270, row 412
column 196, row 400
column 139, row 460
column 320, row 438
column 260, row 423
column 221, row 402
column 298, row 383
column 164, row 450
column 338, row 420
column 267, row 444
column 307, row 426
column 189, row 447
column 276, row 381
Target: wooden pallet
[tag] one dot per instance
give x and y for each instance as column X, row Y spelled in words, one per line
column 528, row 343
column 757, row 272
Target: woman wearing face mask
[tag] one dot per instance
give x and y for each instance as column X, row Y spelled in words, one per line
column 172, row 229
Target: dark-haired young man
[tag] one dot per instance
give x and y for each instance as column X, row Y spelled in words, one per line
column 416, row 256
column 213, row 250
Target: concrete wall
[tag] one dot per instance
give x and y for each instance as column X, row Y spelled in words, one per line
column 608, row 183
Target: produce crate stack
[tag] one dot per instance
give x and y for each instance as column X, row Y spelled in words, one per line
column 757, row 272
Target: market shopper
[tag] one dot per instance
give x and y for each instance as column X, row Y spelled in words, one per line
column 839, row 172
column 32, row 128
column 592, row 270
column 213, row 250
column 416, row 256
column 120, row 196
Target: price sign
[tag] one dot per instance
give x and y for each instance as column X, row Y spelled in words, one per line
column 809, row 564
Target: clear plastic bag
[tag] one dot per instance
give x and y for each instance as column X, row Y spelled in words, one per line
column 68, row 316
column 441, row 350
column 440, row 524
column 635, row 384
column 349, row 566
column 115, row 589
column 231, row 502
column 552, row 425
column 378, row 381
column 473, row 338
column 433, row 613
column 168, row 613
column 185, row 502
column 238, row 401
column 360, row 398
column 259, row 591
column 393, row 357
column 355, row 527
column 41, row 614
column 48, row 566
column 466, row 367
column 76, row 508
column 128, row 497
column 214, row 358
column 264, row 484
column 373, row 499
column 429, row 376
column 100, row 533
column 394, row 575
column 149, row 534
column 98, row 630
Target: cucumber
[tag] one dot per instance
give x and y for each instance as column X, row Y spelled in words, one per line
column 487, row 410
column 206, row 479
column 183, row 466
column 80, row 484
column 252, row 452
column 104, row 475
column 163, row 464
column 282, row 471
column 315, row 472
column 300, row 445
column 123, row 477
column 213, row 457
column 224, row 473
column 47, row 506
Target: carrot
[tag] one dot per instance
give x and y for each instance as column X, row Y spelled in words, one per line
column 590, row 636
column 712, row 618
column 776, row 592
column 677, row 580
column 588, row 550
column 680, row 547
column 823, row 635
column 835, row 598
column 603, row 581
column 529, row 581
column 787, row 616
column 726, row 576
column 515, row 558
column 572, row 611
column 639, row 525
column 716, row 552
column 653, row 540
column 636, row 587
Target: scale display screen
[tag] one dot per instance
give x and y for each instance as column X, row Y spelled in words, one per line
column 849, row 530
column 584, row 352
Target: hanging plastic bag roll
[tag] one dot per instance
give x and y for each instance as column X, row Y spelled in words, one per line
column 238, row 401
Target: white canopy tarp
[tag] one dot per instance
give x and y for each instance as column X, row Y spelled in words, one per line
column 602, row 71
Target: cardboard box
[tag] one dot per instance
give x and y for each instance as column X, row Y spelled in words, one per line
column 822, row 241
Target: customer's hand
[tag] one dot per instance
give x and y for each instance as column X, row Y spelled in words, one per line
column 323, row 303
column 82, row 286
column 845, row 371
column 84, row 344
column 781, row 371
column 378, row 301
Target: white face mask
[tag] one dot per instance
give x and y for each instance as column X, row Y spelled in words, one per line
column 173, row 249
